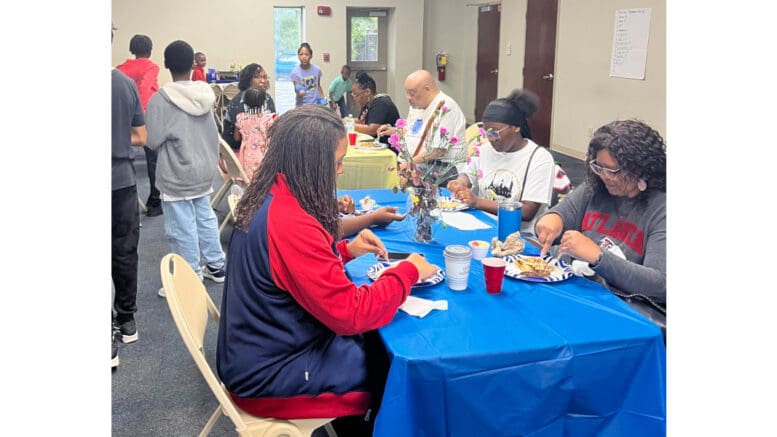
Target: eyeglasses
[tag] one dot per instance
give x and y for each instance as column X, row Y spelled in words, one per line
column 495, row 134
column 601, row 171
column 265, row 77
column 357, row 94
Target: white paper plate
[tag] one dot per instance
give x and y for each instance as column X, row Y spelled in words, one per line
column 561, row 272
column 375, row 271
column 451, row 204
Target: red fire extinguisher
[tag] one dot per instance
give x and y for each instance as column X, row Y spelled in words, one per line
column 442, row 61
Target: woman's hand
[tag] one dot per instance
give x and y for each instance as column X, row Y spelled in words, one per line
column 385, row 215
column 548, row 228
column 455, row 186
column 425, row 270
column 579, row 246
column 385, row 130
column 467, row 196
column 367, row 242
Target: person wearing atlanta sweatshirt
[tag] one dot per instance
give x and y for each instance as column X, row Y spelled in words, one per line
column 292, row 341
column 616, row 220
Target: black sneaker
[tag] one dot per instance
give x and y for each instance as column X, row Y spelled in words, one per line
column 154, row 211
column 216, row 275
column 115, row 333
column 128, row 331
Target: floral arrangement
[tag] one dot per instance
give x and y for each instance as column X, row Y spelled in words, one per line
column 422, row 181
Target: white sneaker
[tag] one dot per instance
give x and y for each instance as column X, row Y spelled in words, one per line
column 161, row 292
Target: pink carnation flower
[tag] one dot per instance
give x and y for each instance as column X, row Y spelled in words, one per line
column 469, row 159
column 482, row 132
column 454, row 140
column 480, row 174
column 401, row 123
column 443, row 130
column 394, row 139
column 445, row 109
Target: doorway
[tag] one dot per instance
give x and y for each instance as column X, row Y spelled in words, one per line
column 538, row 64
column 487, row 69
column 367, row 39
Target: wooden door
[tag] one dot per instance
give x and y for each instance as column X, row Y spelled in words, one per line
column 488, row 57
column 539, row 61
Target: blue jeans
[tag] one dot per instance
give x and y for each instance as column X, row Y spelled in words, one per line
column 192, row 229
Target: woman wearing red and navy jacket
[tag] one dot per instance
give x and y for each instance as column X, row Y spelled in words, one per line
column 289, row 341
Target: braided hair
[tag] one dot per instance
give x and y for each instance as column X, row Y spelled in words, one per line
column 301, row 145
column 366, row 81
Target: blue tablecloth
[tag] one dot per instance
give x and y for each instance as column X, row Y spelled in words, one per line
column 562, row 359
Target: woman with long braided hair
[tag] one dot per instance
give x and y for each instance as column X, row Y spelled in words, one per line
column 290, row 342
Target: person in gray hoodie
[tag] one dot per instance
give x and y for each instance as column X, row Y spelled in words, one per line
column 181, row 128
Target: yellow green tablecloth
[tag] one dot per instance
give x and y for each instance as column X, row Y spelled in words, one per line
column 368, row 170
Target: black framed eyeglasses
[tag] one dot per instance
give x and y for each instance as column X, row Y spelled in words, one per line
column 599, row 170
column 495, row 134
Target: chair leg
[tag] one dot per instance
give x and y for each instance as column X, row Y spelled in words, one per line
column 227, row 219
column 220, row 193
column 212, row 421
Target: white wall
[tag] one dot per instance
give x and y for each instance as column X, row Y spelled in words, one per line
column 584, row 96
column 241, row 31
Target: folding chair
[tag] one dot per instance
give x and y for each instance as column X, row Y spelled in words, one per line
column 190, row 306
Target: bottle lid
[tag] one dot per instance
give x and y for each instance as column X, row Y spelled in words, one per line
column 457, row 251
column 510, row 205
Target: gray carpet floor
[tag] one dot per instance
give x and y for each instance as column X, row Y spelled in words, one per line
column 157, row 390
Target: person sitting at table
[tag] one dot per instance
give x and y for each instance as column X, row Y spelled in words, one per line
column 376, row 109
column 251, row 76
column 510, row 166
column 426, row 99
column 290, row 340
column 351, row 224
column 616, row 220
column 251, row 130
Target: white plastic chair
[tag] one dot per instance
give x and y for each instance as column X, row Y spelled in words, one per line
column 190, row 306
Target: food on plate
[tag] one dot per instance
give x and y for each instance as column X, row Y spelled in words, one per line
column 449, row 203
column 367, row 203
column 369, row 144
column 533, row 266
column 512, row 245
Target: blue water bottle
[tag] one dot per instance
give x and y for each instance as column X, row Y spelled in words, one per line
column 508, row 218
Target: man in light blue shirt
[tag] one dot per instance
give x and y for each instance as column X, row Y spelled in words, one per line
column 337, row 89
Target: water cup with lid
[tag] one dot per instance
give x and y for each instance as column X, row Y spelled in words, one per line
column 457, row 260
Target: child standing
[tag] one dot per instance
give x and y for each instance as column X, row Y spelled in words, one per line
column 251, row 130
column 337, row 89
column 198, row 73
column 306, row 77
column 182, row 129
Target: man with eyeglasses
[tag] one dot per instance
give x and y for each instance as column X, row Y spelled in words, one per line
column 425, row 98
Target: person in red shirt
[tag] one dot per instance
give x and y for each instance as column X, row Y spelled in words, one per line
column 198, row 72
column 145, row 73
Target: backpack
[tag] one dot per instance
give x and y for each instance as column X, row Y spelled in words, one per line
column 562, row 186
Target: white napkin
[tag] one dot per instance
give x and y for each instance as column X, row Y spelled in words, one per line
column 581, row 268
column 463, row 221
column 415, row 306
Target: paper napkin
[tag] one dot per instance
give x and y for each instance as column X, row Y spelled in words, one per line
column 463, row 221
column 415, row 306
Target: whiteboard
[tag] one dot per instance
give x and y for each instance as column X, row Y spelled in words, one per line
column 629, row 43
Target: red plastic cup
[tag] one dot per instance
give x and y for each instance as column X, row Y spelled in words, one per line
column 352, row 138
column 494, row 272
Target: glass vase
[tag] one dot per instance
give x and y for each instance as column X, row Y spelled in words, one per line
column 424, row 212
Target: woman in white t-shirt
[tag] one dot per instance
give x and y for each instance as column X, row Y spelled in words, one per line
column 511, row 165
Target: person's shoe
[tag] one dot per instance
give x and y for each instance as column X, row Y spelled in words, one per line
column 114, row 347
column 128, row 331
column 154, row 211
column 216, row 275
column 161, row 292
